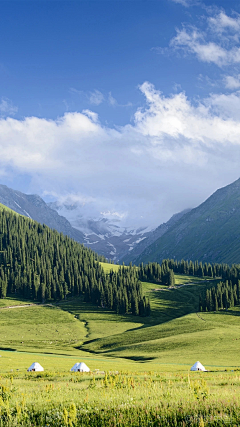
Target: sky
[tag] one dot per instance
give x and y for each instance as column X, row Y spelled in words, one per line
column 131, row 109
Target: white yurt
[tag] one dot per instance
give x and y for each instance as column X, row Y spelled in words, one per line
column 35, row 367
column 80, row 367
column 198, row 367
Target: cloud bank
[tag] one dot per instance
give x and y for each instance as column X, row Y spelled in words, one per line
column 137, row 172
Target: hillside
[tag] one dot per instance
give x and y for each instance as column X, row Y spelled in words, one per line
column 172, row 336
column 42, row 264
column 32, row 206
column 208, row 233
column 151, row 237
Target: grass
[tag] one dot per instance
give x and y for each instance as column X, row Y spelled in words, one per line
column 55, row 398
column 152, row 356
column 39, row 327
column 75, row 325
column 107, row 267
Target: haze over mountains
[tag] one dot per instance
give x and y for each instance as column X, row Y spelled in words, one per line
column 101, row 235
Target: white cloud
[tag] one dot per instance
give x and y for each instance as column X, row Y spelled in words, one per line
column 136, row 170
column 112, row 101
column 221, row 22
column 232, row 82
column 96, row 97
column 113, row 214
column 176, row 117
column 93, row 116
column 218, row 43
column 75, row 91
column 185, row 3
column 7, row 107
column 193, row 41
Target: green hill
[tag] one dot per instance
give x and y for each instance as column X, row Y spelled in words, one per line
column 208, row 233
column 37, row 261
column 41, row 264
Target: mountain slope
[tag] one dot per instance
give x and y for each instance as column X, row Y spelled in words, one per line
column 108, row 237
column 150, row 238
column 101, row 235
column 32, row 206
column 210, row 232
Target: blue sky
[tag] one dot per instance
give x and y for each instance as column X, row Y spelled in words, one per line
column 57, row 53
column 130, row 108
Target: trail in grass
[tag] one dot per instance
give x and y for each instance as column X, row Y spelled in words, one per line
column 25, row 306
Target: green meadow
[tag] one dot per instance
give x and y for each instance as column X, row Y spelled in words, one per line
column 140, row 366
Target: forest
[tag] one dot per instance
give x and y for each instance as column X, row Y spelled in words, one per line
column 43, row 265
column 225, row 295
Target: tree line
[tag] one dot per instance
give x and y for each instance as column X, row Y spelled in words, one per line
column 156, row 273
column 42, row 264
column 199, row 269
column 225, row 295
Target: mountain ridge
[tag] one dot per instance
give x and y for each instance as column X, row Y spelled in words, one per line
column 34, row 207
column 209, row 232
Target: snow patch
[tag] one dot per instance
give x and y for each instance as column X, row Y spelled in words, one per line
column 17, row 204
column 27, row 214
column 114, row 249
column 139, row 240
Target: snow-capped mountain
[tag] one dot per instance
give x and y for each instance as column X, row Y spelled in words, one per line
column 107, row 237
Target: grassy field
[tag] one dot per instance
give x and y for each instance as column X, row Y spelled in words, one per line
column 148, row 359
column 174, row 335
column 55, row 398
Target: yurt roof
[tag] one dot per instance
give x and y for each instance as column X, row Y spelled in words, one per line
column 80, row 366
column 198, row 366
column 83, row 365
column 35, row 366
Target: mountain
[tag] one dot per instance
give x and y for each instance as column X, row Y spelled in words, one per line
column 32, row 206
column 152, row 236
column 210, row 232
column 104, row 236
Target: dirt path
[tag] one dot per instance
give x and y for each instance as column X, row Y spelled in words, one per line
column 23, row 306
column 175, row 287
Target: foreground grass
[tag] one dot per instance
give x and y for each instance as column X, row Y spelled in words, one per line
column 120, row 398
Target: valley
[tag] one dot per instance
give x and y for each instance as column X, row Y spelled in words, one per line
column 61, row 303
column 73, row 326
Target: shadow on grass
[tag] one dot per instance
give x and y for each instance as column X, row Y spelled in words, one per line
column 7, row 349
column 141, row 359
column 165, row 306
column 229, row 312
